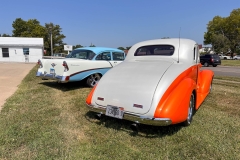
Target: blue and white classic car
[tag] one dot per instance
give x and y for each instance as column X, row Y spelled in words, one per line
column 89, row 63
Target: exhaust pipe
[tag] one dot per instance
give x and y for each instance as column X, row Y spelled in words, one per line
column 134, row 127
column 98, row 116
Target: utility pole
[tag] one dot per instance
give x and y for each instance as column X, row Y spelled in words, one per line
column 50, row 28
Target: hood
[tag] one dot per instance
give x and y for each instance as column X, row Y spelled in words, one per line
column 131, row 85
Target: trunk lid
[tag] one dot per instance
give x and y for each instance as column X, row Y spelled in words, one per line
column 131, row 85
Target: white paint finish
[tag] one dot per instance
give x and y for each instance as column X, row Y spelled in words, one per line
column 185, row 50
column 21, row 41
column 127, row 84
column 74, row 65
column 131, row 83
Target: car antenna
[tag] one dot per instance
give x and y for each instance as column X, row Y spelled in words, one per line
column 179, row 44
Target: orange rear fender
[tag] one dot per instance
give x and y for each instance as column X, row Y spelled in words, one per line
column 89, row 97
column 204, row 81
column 175, row 106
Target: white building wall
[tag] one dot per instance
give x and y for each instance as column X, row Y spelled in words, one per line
column 15, row 47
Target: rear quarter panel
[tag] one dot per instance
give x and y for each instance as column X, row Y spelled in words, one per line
column 79, row 70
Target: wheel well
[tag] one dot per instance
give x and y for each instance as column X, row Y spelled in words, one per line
column 195, row 95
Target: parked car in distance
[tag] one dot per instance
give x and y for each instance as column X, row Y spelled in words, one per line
column 210, row 59
column 222, row 56
column 159, row 83
column 89, row 63
column 237, row 57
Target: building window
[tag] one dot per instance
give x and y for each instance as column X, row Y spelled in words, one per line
column 26, row 51
column 5, row 52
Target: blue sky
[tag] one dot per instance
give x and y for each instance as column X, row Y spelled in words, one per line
column 115, row 23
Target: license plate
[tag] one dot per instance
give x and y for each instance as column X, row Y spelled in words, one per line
column 52, row 71
column 115, row 112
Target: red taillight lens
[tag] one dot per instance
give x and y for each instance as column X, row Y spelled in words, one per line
column 211, row 60
column 65, row 66
column 100, row 99
column 40, row 63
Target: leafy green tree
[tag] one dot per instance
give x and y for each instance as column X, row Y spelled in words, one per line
column 165, row 37
column 30, row 28
column 127, row 48
column 57, row 38
column 223, row 33
column 77, row 46
column 92, row 45
column 121, row 48
column 5, row 35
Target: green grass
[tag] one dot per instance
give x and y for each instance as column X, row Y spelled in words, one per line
column 46, row 120
column 230, row 63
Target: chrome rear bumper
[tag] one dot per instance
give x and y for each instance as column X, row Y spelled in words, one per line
column 60, row 79
column 136, row 118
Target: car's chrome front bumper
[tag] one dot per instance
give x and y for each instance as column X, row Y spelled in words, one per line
column 136, row 118
column 61, row 79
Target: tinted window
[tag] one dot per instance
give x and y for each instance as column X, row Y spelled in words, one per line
column 5, row 52
column 118, row 56
column 104, row 56
column 26, row 51
column 81, row 54
column 153, row 50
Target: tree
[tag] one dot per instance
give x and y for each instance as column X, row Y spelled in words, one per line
column 92, row 45
column 30, row 28
column 77, row 46
column 127, row 48
column 223, row 33
column 5, row 35
column 121, row 48
column 57, row 38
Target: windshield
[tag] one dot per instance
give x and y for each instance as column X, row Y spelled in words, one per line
column 81, row 54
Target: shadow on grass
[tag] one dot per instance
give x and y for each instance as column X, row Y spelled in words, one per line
column 64, row 86
column 147, row 131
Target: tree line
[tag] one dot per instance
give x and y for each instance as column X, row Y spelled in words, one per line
column 33, row 28
column 223, row 33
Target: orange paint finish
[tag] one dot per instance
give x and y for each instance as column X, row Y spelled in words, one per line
column 204, row 82
column 175, row 101
column 89, row 98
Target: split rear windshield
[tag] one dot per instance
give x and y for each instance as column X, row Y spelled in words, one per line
column 155, row 50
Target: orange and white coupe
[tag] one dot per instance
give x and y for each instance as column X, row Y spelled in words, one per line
column 159, row 83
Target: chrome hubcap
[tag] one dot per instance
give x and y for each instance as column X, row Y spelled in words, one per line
column 190, row 109
column 93, row 79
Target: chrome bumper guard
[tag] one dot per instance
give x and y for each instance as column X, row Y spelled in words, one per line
column 52, row 76
column 136, row 118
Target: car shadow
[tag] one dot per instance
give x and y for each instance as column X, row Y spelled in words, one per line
column 146, row 131
column 64, row 86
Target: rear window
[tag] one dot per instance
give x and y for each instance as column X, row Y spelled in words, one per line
column 155, row 50
column 81, row 54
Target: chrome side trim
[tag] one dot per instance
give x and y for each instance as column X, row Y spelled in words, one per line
column 136, row 118
column 60, row 79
